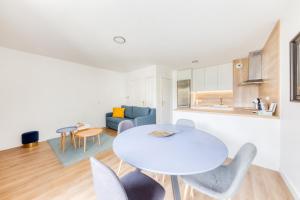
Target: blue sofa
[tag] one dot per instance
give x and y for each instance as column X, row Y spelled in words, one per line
column 138, row 115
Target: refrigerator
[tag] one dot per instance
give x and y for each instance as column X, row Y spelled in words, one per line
column 184, row 94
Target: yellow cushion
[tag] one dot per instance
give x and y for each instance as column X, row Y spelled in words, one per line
column 118, row 112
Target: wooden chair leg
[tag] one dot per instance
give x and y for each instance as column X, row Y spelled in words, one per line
column 64, row 142
column 186, row 189
column 99, row 141
column 84, row 144
column 74, row 141
column 163, row 178
column 61, row 142
column 192, row 194
column 119, row 168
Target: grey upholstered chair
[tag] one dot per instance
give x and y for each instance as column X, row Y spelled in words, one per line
column 133, row 186
column 224, row 181
column 185, row 122
column 123, row 126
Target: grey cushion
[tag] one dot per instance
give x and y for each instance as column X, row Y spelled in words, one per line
column 140, row 111
column 186, row 122
column 116, row 119
column 128, row 111
column 139, row 186
column 124, row 125
column 224, row 181
column 218, row 180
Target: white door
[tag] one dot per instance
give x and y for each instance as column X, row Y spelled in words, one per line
column 166, row 101
column 150, row 92
column 137, row 92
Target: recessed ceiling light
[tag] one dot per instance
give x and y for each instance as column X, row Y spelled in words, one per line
column 195, row 61
column 119, row 39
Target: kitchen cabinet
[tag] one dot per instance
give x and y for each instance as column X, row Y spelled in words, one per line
column 213, row 78
column 225, row 75
column 184, row 74
column 198, row 80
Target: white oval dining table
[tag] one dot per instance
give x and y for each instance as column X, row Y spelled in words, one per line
column 189, row 151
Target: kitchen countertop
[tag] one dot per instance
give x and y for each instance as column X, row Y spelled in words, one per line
column 232, row 111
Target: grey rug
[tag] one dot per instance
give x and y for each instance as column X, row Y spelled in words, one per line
column 72, row 156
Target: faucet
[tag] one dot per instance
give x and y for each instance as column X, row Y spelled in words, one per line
column 221, row 101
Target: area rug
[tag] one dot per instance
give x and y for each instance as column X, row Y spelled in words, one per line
column 72, row 156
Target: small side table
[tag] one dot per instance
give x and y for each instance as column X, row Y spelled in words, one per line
column 90, row 132
column 64, row 132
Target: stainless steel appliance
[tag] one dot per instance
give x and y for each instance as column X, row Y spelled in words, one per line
column 184, row 94
column 255, row 68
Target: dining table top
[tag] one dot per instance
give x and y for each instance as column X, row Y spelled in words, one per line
column 188, row 151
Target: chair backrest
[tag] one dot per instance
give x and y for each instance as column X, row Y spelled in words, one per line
column 240, row 165
column 106, row 183
column 185, row 122
column 124, row 125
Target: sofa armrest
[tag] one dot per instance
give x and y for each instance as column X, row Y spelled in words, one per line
column 108, row 114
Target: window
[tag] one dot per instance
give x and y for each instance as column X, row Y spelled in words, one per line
column 295, row 68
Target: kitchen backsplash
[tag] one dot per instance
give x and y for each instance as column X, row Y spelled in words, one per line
column 212, row 98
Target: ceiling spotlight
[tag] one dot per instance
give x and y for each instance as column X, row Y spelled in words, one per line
column 195, row 61
column 119, row 39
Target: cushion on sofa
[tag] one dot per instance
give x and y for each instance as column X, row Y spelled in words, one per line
column 140, row 111
column 118, row 112
column 116, row 120
column 128, row 111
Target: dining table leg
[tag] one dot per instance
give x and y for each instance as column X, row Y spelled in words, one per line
column 175, row 188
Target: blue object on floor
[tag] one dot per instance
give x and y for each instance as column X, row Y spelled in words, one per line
column 30, row 137
column 72, row 156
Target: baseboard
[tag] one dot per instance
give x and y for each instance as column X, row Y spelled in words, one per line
column 290, row 185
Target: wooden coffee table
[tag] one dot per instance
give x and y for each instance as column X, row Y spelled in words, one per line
column 90, row 132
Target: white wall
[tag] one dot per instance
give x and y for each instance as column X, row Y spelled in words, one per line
column 41, row 93
column 141, row 87
column 235, row 130
column 290, row 111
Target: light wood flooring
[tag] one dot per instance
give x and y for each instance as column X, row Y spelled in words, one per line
column 36, row 173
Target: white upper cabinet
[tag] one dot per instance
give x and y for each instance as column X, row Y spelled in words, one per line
column 212, row 78
column 198, row 83
column 184, row 74
column 225, row 77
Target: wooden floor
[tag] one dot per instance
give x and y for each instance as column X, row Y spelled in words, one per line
column 37, row 174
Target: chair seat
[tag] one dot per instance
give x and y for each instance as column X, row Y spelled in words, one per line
column 139, row 186
column 213, row 183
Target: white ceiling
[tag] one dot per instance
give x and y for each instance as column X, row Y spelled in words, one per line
column 165, row 32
